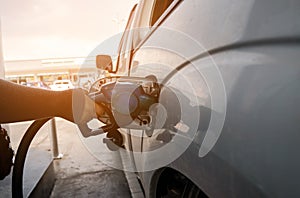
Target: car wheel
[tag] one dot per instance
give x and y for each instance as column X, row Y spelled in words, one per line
column 174, row 184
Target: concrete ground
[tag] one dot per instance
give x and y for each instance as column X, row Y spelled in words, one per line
column 78, row 173
column 37, row 161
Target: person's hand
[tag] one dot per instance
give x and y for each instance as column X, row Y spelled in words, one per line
column 84, row 108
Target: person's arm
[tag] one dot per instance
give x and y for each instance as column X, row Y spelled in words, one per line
column 21, row 103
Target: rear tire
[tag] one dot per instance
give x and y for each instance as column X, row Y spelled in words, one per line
column 173, row 184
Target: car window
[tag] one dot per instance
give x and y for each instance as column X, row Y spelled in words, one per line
column 159, row 8
column 139, row 25
column 150, row 13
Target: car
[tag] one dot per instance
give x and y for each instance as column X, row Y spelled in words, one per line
column 228, row 74
column 39, row 84
column 59, row 85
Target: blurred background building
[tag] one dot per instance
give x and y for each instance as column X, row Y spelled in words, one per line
column 76, row 69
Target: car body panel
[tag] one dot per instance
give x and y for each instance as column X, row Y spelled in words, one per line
column 255, row 46
column 256, row 154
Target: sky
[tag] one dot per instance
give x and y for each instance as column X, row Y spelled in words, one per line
column 38, row 29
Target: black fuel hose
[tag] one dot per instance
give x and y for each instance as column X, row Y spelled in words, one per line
column 17, row 175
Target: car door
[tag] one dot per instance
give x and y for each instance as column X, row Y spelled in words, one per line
column 162, row 52
column 180, row 63
column 156, row 53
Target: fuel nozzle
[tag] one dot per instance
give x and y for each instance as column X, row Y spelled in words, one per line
column 126, row 103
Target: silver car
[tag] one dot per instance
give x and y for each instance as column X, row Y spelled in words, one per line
column 228, row 119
